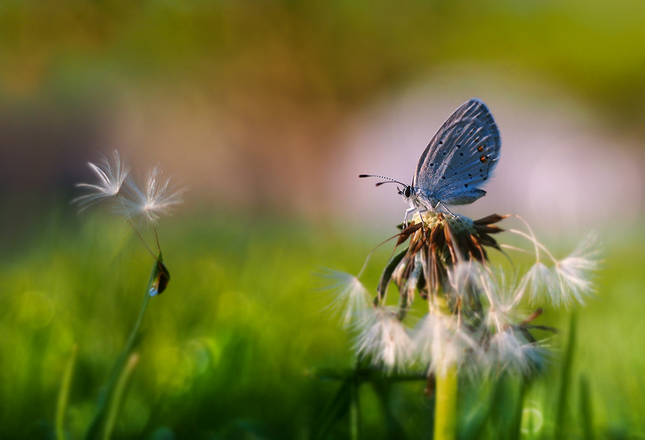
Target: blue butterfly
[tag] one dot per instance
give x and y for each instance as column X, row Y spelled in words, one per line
column 456, row 163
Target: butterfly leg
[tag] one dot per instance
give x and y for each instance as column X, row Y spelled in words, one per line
column 444, row 207
column 407, row 213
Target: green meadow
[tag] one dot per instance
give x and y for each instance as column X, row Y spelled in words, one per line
column 253, row 103
column 240, row 346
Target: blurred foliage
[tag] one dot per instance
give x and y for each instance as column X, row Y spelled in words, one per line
column 323, row 54
column 232, row 348
column 226, row 349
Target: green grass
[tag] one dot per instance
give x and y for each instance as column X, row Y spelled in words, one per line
column 228, row 350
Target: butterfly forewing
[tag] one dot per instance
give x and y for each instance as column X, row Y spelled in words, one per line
column 460, row 157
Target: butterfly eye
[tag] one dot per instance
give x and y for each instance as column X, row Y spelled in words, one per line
column 408, row 191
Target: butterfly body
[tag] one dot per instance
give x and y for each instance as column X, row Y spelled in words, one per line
column 457, row 162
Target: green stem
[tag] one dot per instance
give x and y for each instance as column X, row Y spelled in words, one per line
column 104, row 400
column 445, row 422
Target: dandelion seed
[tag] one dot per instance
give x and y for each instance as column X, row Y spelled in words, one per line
column 538, row 281
column 441, row 343
column 384, row 340
column 156, row 199
column 111, row 178
column 351, row 298
column 511, row 351
column 574, row 273
column 503, row 297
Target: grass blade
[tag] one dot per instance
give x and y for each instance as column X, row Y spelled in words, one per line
column 336, row 409
column 63, row 395
column 565, row 379
column 585, row 409
column 119, row 392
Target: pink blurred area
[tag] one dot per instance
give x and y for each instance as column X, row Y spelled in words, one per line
column 559, row 164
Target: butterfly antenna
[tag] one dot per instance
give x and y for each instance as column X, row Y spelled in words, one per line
column 389, row 179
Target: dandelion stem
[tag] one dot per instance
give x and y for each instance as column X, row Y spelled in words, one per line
column 157, row 238
column 445, row 421
column 139, row 233
column 106, row 397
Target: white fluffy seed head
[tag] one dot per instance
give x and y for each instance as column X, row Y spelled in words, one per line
column 510, row 351
column 384, row 340
column 440, row 343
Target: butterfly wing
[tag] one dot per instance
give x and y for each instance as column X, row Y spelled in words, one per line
column 460, row 157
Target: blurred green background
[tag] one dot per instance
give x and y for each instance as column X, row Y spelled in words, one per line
column 255, row 106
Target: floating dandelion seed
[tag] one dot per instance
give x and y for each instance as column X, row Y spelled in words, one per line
column 111, row 177
column 156, row 199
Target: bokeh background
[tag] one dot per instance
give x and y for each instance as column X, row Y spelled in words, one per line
column 267, row 111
